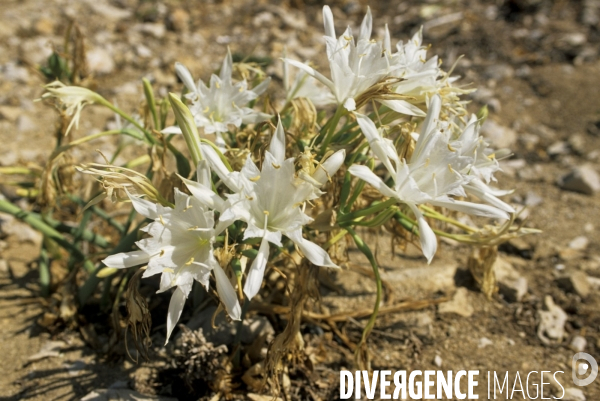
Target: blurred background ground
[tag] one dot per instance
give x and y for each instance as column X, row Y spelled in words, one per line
column 536, row 64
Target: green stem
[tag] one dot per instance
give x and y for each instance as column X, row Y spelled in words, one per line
column 44, row 271
column 374, row 208
column 364, row 248
column 331, row 128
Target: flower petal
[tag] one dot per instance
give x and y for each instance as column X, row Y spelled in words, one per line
column 403, row 107
column 366, row 27
column 328, row 22
column 365, row 174
column 426, row 234
column 172, row 130
column 227, row 293
column 350, row 104
column 313, row 252
column 175, row 308
column 313, row 73
column 277, row 146
column 126, row 259
column 186, row 77
column 472, row 208
column 329, row 167
column 257, row 270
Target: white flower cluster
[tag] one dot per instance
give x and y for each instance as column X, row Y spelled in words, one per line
column 450, row 160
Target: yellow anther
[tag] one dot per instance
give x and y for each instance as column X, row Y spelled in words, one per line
column 189, row 262
column 206, row 110
column 162, row 252
column 451, row 149
column 275, row 165
column 266, row 212
column 450, row 168
column 254, row 179
column 168, row 270
column 492, row 156
column 161, row 219
column 249, row 198
column 217, row 84
column 192, row 228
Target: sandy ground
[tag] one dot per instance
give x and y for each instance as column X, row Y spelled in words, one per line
column 537, row 65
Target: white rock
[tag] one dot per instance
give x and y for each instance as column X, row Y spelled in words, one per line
column 156, row 30
column 25, row 124
column 532, row 199
column 438, row 361
column 552, row 322
column 460, row 304
column 484, row 342
column 49, row 349
column 582, row 179
column 578, row 343
column 511, row 284
column 100, row 61
column 573, row 394
column 500, row 137
column 575, row 282
column 579, row 243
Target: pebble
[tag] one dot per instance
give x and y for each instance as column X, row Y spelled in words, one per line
column 576, row 282
column 459, row 304
column 48, row 350
column 501, row 137
column 178, row 20
column 153, row 29
column 499, row 72
column 583, row 179
column 25, row 124
column 437, row 361
column 552, row 322
column 100, row 61
column 3, row 266
column 532, row 199
column 573, row 394
column 484, row 342
column 558, row 148
column 578, row 344
column 15, row 73
column 579, row 243
column 511, row 284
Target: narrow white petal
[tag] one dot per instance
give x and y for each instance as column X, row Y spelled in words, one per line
column 217, row 165
column 403, row 107
column 257, row 270
column 260, row 88
column 175, row 309
column 204, row 194
column 186, row 77
column 433, row 114
column 313, row 252
column 203, row 173
column 387, row 43
column 426, row 234
column 328, row 22
column 126, row 259
column 171, row 130
column 365, row 174
column 472, row 208
column 226, row 68
column 227, row 293
column 277, row 146
column 329, row 167
column 488, row 197
column 143, row 206
column 366, row 27
column 313, row 73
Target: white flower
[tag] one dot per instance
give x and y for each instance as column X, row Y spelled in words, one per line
column 355, row 65
column 432, row 175
column 72, row 98
column 270, row 201
column 180, row 248
column 221, row 104
column 304, row 86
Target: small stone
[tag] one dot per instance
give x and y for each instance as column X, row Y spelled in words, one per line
column 552, row 322
column 588, row 227
column 437, row 361
column 100, row 61
column 178, row 20
column 459, row 304
column 499, row 72
column 10, row 113
column 578, row 344
column 511, row 284
column 532, row 199
column 25, row 124
column 153, row 29
column 3, row 266
column 48, row 350
column 577, row 143
column 594, row 282
column 500, row 137
column 558, row 148
column 573, row 394
column 44, row 26
column 579, row 243
column 576, row 282
column 15, row 73
column 582, row 179
column 484, row 342
column 75, row 368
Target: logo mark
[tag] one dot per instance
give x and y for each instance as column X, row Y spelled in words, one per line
column 581, row 368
